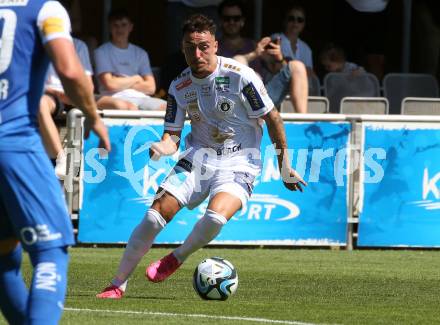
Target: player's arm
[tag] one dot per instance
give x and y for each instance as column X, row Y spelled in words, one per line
column 76, row 85
column 275, row 126
column 147, row 85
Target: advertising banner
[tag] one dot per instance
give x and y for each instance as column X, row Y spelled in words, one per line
column 119, row 188
column 402, row 207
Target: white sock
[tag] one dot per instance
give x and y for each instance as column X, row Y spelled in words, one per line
column 138, row 245
column 205, row 230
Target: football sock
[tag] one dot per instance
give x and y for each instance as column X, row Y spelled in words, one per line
column 48, row 287
column 138, row 245
column 13, row 291
column 205, row 230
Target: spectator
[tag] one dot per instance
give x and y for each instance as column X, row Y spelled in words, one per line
column 292, row 47
column 54, row 102
column 231, row 42
column 333, row 59
column 123, row 69
column 285, row 77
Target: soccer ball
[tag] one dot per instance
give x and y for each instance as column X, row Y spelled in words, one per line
column 215, row 279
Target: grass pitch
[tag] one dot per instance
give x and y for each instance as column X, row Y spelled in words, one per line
column 276, row 286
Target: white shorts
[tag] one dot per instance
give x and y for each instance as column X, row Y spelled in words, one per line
column 190, row 187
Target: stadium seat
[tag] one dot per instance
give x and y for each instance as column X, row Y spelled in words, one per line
column 314, row 85
column 420, row 106
column 315, row 104
column 397, row 86
column 338, row 85
column 364, row 105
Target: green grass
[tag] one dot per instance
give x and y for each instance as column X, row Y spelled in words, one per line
column 312, row 286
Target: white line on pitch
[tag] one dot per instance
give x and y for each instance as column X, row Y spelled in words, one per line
column 248, row 319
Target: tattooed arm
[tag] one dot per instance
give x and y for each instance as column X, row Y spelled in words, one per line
column 291, row 178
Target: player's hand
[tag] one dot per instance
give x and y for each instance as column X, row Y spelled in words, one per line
column 292, row 180
column 98, row 127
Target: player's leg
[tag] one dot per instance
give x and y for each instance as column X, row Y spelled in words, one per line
column 220, row 209
column 161, row 212
column 13, row 291
column 174, row 193
column 32, row 196
column 229, row 192
column 48, row 286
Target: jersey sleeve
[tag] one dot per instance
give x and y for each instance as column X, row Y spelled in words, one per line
column 53, row 22
column 175, row 113
column 254, row 95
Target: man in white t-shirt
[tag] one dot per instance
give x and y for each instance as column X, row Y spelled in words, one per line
column 225, row 101
column 123, row 69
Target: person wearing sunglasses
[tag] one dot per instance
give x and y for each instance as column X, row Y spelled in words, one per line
column 231, row 41
column 292, row 46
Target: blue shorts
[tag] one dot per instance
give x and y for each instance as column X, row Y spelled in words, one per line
column 32, row 207
column 278, row 86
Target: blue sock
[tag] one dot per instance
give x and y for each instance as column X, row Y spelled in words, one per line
column 13, row 291
column 48, row 287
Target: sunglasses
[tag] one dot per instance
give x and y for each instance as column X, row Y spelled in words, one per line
column 292, row 19
column 235, row 19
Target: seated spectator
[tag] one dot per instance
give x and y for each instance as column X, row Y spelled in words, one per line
column 231, row 42
column 292, row 47
column 288, row 76
column 54, row 102
column 333, row 59
column 123, row 69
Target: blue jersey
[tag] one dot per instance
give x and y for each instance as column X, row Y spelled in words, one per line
column 24, row 27
column 31, row 203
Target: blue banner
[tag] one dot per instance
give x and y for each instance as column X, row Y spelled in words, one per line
column 118, row 189
column 401, row 197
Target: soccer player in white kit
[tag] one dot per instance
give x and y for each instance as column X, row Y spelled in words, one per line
column 225, row 101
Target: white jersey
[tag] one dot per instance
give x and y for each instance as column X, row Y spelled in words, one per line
column 224, row 109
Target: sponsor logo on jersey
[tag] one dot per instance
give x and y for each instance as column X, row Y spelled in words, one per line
column 53, row 25
column 225, row 105
column 263, row 90
column 222, row 84
column 13, row 3
column 191, row 94
column 206, row 89
column 194, row 111
column 185, row 83
column 228, row 150
column 253, row 97
column 170, row 115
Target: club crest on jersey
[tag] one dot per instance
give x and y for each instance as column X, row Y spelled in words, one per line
column 225, row 105
column 222, row 84
column 194, row 111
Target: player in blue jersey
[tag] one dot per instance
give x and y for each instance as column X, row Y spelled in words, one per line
column 33, row 214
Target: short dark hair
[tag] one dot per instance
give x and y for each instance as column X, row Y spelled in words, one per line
column 333, row 53
column 231, row 3
column 118, row 14
column 198, row 23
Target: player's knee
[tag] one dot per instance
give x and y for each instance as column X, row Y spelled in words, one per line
column 8, row 245
column 167, row 206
